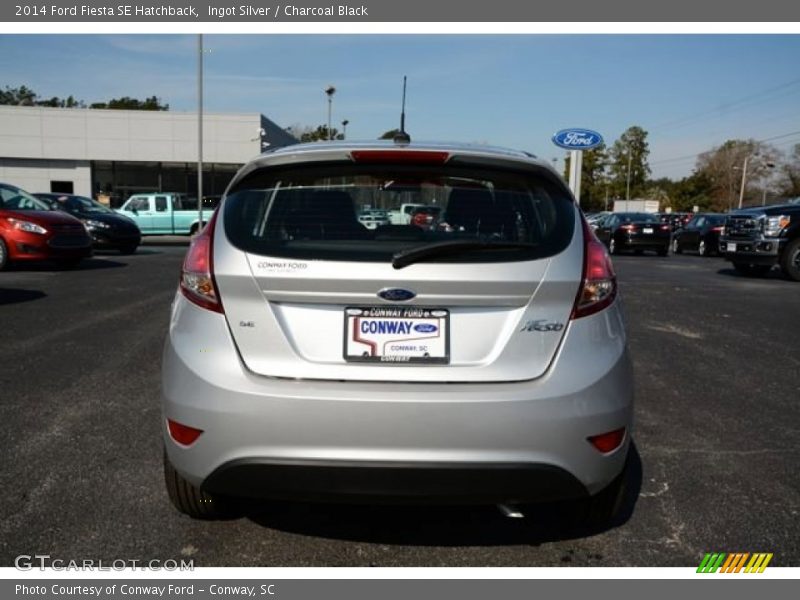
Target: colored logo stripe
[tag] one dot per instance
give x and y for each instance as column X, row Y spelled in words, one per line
column 734, row 562
column 758, row 563
column 711, row 562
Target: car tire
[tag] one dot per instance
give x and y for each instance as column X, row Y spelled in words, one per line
column 790, row 260
column 702, row 249
column 3, row 254
column 189, row 499
column 130, row 249
column 601, row 511
column 751, row 270
column 663, row 251
column 612, row 246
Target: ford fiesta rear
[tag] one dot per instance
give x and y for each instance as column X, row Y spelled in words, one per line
column 479, row 356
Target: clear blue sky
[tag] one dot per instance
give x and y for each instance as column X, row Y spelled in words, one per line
column 690, row 92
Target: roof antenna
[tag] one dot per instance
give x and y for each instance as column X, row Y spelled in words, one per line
column 401, row 137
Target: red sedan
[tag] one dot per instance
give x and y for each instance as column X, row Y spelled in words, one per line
column 30, row 231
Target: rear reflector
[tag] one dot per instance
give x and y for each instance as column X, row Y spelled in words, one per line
column 183, row 434
column 608, row 442
column 599, row 284
column 400, row 156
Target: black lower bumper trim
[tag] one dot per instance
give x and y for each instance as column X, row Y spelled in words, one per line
column 394, row 483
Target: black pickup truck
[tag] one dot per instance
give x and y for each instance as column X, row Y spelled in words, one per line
column 755, row 239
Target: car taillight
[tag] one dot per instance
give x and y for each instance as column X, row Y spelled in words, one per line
column 628, row 227
column 718, row 229
column 599, row 284
column 183, row 434
column 665, row 228
column 197, row 275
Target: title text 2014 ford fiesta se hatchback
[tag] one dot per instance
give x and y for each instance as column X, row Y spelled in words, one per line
column 478, row 358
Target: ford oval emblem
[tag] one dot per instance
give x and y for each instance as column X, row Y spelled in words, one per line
column 396, row 294
column 577, row 139
column 425, row 328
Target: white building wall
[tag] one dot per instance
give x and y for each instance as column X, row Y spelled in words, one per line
column 35, row 175
column 129, row 135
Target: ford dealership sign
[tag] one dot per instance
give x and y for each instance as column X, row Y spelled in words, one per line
column 577, row 139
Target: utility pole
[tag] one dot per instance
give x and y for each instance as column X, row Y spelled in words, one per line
column 199, row 132
column 744, row 179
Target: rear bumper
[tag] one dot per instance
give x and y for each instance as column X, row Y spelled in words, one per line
column 644, row 242
column 473, row 442
column 398, row 482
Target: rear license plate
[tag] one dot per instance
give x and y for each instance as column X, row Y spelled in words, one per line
column 398, row 335
column 648, row 230
column 730, row 247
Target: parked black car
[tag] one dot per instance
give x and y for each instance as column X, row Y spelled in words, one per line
column 676, row 220
column 756, row 239
column 107, row 228
column 700, row 235
column 634, row 231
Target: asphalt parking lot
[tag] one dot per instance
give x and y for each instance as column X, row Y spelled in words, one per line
column 717, row 367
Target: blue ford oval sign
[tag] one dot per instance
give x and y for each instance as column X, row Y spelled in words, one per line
column 577, row 139
column 396, row 294
column 425, row 328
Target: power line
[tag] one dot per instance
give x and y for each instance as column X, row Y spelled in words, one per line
column 690, row 156
column 730, row 106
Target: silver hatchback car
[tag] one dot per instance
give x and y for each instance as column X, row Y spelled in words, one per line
column 478, row 359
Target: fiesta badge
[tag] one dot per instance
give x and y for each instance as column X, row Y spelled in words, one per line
column 577, row 139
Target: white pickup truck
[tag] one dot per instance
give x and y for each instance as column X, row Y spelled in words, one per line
column 402, row 216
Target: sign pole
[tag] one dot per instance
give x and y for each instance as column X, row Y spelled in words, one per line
column 575, row 170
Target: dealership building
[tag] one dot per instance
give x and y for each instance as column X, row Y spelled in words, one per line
column 110, row 154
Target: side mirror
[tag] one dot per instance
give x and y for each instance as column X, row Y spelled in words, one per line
column 134, row 210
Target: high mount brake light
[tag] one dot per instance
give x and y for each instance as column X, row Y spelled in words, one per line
column 400, row 156
column 197, row 275
column 599, row 283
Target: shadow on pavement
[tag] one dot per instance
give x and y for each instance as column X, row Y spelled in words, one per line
column 771, row 275
column 15, row 296
column 87, row 264
column 439, row 525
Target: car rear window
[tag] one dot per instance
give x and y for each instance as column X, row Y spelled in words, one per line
column 640, row 218
column 318, row 211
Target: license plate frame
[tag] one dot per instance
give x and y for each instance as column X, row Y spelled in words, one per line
column 370, row 345
column 647, row 230
column 730, row 247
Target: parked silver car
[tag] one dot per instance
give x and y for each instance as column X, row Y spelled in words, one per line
column 311, row 358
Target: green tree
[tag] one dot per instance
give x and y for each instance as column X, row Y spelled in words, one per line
column 722, row 166
column 628, row 161
column 21, row 96
column 790, row 171
column 389, row 135
column 320, row 134
column 128, row 103
column 594, row 181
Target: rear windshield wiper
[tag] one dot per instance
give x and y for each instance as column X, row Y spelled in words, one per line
column 420, row 253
